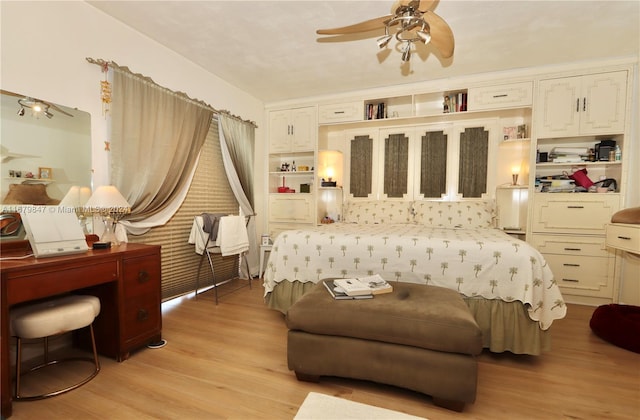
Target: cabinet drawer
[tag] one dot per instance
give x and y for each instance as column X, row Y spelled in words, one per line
column 350, row 111
column 503, row 96
column 587, row 276
column 578, row 213
column 623, row 236
column 142, row 277
column 291, row 208
column 580, row 246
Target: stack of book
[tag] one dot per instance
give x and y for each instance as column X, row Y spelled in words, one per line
column 358, row 288
column 376, row 111
column 569, row 154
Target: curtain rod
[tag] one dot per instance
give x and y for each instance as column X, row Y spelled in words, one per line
column 106, row 64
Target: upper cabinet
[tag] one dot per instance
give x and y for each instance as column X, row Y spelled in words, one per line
column 582, row 105
column 293, row 130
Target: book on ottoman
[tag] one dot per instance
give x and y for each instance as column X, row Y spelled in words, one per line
column 374, row 285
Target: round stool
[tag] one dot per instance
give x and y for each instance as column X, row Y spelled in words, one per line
column 48, row 318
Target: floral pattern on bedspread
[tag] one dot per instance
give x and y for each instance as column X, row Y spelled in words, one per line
column 477, row 262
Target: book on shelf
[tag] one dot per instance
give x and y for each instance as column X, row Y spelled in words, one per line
column 338, row 293
column 373, row 284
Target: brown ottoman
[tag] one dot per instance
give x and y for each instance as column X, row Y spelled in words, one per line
column 418, row 337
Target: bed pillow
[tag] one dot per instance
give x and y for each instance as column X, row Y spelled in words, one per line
column 377, row 212
column 454, row 214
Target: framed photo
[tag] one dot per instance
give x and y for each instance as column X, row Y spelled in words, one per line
column 510, row 132
column 45, row 173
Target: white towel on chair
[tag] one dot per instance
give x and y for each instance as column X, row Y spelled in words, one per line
column 232, row 235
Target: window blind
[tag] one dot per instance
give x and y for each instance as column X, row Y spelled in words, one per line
column 209, row 193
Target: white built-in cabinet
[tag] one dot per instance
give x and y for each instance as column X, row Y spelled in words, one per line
column 292, row 158
column 582, row 105
column 293, row 130
column 568, row 228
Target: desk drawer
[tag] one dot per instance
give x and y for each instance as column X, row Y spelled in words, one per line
column 45, row 283
column 623, row 236
column 141, row 276
column 141, row 317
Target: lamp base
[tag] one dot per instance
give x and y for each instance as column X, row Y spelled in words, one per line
column 514, row 178
column 109, row 233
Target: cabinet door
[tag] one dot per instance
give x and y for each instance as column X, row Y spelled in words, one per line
column 604, row 103
column 582, row 105
column 559, row 105
column 361, row 179
column 397, row 167
column 303, row 129
column 279, row 132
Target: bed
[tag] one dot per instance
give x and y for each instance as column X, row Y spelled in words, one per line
column 506, row 283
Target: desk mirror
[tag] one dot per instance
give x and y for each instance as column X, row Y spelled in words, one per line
column 45, row 150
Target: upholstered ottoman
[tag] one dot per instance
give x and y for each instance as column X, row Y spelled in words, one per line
column 418, row 337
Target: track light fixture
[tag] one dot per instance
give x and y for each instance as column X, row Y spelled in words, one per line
column 37, row 107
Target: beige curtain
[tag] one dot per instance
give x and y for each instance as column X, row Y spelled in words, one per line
column 237, row 143
column 156, row 137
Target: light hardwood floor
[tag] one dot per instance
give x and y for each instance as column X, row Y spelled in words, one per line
column 229, row 362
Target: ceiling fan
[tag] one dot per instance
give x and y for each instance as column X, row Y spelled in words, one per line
column 37, row 106
column 415, row 23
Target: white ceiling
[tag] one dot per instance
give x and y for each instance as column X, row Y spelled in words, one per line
column 270, row 48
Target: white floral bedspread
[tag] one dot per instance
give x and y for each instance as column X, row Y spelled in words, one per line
column 476, row 262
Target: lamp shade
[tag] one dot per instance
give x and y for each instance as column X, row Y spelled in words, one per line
column 107, row 199
column 76, row 197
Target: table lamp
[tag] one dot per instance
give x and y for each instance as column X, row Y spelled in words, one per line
column 107, row 202
column 76, row 198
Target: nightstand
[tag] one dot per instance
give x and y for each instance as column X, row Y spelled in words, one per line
column 263, row 250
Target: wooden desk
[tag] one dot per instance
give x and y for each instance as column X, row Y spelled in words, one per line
column 126, row 278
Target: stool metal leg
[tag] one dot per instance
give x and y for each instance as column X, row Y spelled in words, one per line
column 48, row 362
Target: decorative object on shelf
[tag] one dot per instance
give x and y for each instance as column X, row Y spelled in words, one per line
column 45, row 173
column 510, row 132
column 454, row 102
column 416, row 23
column 107, row 202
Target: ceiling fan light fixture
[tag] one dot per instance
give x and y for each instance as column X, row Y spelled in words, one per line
column 406, row 53
column 48, row 114
column 21, row 111
column 384, row 41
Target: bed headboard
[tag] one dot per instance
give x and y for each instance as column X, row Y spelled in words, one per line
column 446, row 214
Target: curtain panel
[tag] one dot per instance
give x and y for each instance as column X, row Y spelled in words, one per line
column 237, row 144
column 156, row 137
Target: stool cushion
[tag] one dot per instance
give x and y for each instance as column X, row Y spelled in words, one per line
column 53, row 316
column 428, row 317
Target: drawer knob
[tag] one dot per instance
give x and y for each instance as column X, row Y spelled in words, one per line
column 504, row 95
column 575, row 207
column 573, row 249
column 626, row 238
column 571, row 265
column 143, row 315
column 143, row 276
column 571, row 280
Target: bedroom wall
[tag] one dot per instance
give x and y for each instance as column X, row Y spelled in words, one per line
column 44, row 46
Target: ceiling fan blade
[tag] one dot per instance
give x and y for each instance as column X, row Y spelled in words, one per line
column 367, row 25
column 441, row 34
